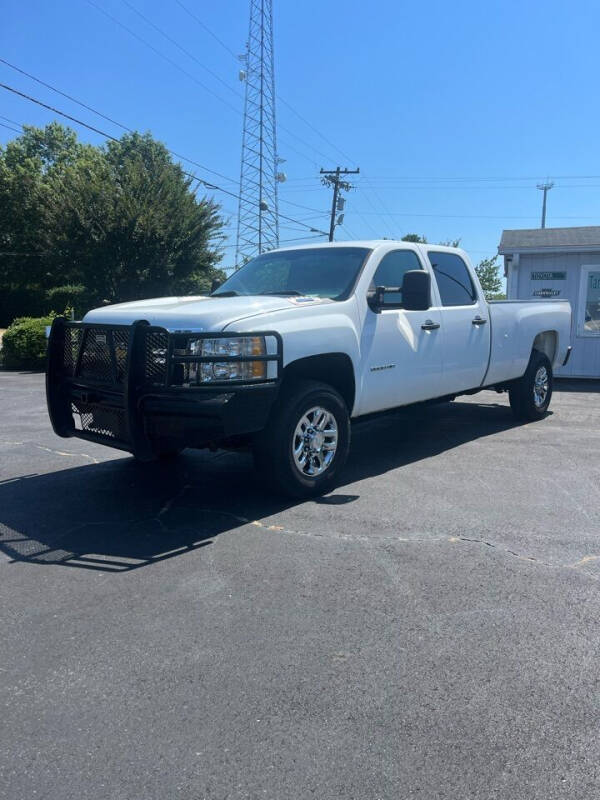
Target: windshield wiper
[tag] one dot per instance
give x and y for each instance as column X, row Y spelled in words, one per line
column 286, row 293
column 230, row 293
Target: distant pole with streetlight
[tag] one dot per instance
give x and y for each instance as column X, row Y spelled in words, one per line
column 545, row 188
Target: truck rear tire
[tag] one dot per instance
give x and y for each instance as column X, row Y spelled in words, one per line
column 530, row 395
column 305, row 444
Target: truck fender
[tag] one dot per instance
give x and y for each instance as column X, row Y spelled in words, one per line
column 335, row 369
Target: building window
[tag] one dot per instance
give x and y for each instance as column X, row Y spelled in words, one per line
column 591, row 305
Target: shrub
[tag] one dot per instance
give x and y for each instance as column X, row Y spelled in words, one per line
column 71, row 295
column 24, row 343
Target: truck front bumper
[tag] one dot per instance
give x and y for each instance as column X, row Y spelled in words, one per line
column 103, row 384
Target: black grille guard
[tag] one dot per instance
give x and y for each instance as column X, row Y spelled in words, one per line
column 102, row 372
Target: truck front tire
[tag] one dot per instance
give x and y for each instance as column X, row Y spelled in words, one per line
column 530, row 395
column 305, row 444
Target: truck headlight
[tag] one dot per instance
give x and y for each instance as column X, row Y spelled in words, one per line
column 216, row 371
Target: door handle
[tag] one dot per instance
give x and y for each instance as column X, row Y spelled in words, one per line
column 479, row 321
column 430, row 325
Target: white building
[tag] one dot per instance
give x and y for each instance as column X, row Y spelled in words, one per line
column 564, row 263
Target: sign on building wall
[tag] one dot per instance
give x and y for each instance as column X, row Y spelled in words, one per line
column 546, row 292
column 548, row 276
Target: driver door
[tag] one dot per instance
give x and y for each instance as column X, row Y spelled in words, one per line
column 401, row 349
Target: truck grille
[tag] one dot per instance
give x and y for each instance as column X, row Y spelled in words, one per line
column 121, row 343
column 155, row 368
column 101, row 420
column 103, row 357
column 72, row 342
column 96, row 359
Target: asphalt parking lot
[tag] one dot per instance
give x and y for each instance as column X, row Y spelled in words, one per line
column 429, row 630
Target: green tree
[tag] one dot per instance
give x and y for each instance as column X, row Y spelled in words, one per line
column 414, row 237
column 419, row 239
column 488, row 273
column 123, row 220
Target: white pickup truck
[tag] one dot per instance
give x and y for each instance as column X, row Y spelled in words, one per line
column 293, row 346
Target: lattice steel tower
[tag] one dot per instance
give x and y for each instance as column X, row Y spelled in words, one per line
column 258, row 225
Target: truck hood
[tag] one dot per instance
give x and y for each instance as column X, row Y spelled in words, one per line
column 192, row 313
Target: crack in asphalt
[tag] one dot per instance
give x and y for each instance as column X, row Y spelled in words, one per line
column 406, row 540
column 364, row 539
column 50, row 450
column 170, row 502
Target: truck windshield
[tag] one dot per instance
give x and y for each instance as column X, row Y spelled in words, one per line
column 317, row 271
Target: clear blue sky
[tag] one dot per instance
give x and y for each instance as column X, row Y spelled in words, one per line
column 453, row 111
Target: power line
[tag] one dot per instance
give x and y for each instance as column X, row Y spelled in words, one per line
column 192, row 77
column 163, row 56
column 56, row 111
column 207, row 29
column 306, row 208
column 12, row 121
column 475, row 178
column 285, row 241
column 180, row 47
column 474, row 216
column 10, row 127
column 445, row 187
column 279, row 97
column 109, row 119
column 193, row 57
column 185, row 72
column 205, row 183
column 464, row 187
column 64, row 94
column 379, row 199
column 219, row 79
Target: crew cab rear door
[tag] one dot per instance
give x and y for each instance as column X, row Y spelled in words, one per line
column 465, row 322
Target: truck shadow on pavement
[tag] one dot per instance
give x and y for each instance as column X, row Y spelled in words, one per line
column 118, row 515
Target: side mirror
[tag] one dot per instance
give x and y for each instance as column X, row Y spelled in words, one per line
column 376, row 297
column 416, row 290
column 215, row 285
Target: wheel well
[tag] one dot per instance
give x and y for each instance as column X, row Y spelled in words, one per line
column 333, row 368
column 546, row 342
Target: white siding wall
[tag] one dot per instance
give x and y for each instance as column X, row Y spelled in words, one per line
column 585, row 358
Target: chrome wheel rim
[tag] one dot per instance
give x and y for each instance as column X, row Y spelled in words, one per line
column 315, row 441
column 540, row 387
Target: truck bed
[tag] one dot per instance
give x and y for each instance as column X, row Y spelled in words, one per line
column 514, row 327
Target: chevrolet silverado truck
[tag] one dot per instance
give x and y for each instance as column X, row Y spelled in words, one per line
column 292, row 347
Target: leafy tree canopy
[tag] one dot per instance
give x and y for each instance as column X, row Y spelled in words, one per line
column 488, row 273
column 414, row 237
column 122, row 220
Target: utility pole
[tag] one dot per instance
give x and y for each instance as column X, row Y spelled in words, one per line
column 544, row 187
column 332, row 178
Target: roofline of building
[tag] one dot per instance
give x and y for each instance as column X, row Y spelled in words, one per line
column 573, row 248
